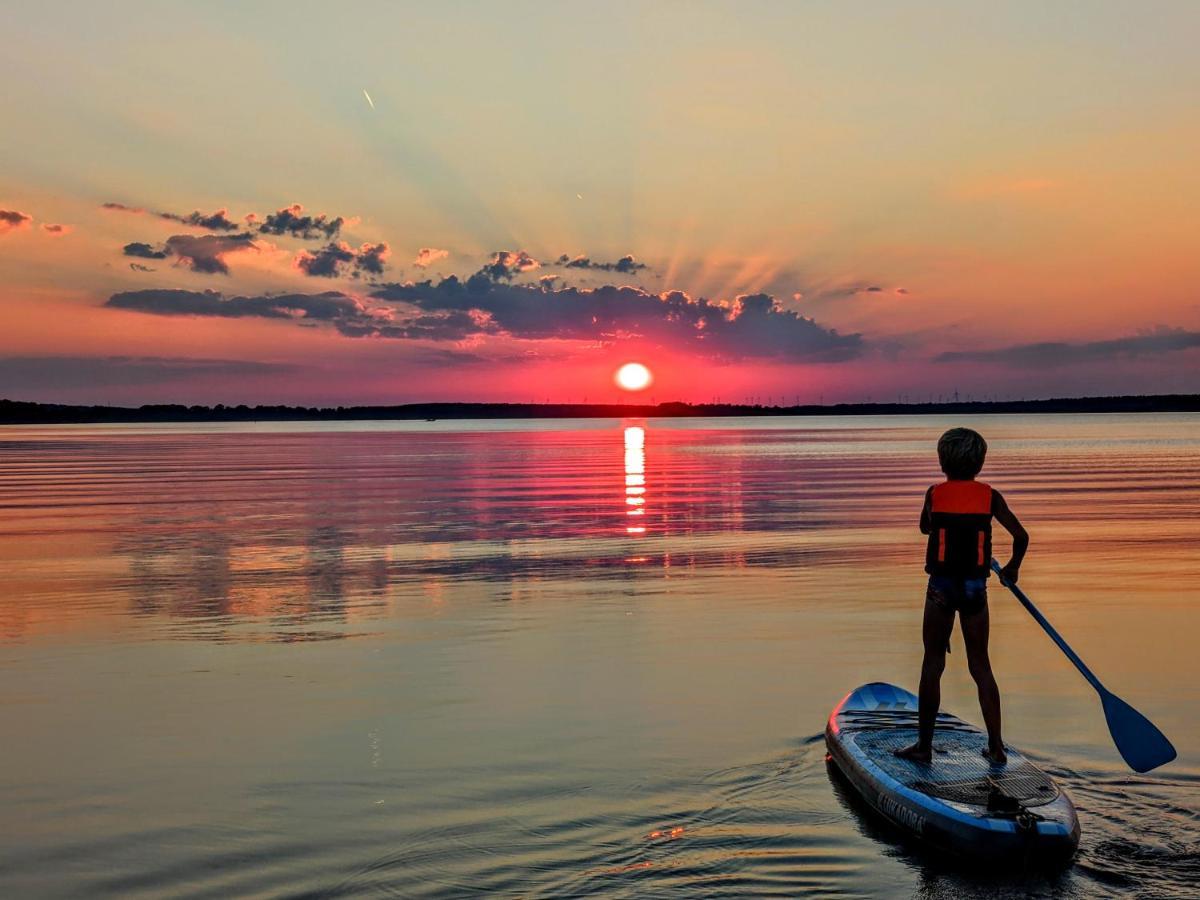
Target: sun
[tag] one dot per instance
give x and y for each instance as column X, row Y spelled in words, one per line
column 633, row 377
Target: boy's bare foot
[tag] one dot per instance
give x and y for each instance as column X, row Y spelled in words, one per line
column 916, row 753
column 994, row 756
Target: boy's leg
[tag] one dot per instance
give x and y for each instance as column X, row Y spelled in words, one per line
column 935, row 633
column 975, row 629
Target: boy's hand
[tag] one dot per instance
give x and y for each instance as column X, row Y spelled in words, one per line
column 1009, row 573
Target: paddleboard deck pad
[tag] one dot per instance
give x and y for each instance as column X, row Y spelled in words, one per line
column 960, row 802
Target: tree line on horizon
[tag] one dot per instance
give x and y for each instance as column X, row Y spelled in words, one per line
column 29, row 413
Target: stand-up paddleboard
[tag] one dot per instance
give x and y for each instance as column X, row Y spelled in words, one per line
column 960, row 802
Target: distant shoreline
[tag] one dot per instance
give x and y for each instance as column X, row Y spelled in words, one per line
column 14, row 412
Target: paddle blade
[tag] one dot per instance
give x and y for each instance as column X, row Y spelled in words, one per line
column 1140, row 743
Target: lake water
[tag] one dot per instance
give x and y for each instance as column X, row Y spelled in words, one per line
column 558, row 658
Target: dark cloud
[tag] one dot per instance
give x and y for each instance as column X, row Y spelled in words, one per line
column 1055, row 353
column 121, row 207
column 504, row 264
column 56, row 229
column 206, row 252
column 202, row 253
column 289, row 221
column 326, row 262
column 330, row 306
column 372, row 257
column 447, row 326
column 44, row 372
column 292, row 222
column 754, row 326
column 217, row 221
column 842, row 291
column 625, row 265
column 443, row 356
column 144, row 251
column 11, row 220
column 340, row 258
column 347, row 314
column 138, row 267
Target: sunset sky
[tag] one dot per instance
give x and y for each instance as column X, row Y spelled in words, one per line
column 383, row 203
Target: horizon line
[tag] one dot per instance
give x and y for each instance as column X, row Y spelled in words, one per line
column 13, row 412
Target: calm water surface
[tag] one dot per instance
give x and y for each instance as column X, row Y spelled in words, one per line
column 554, row 659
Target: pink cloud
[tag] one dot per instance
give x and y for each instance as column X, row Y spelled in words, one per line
column 427, row 256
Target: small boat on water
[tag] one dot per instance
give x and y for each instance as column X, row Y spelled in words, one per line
column 960, row 803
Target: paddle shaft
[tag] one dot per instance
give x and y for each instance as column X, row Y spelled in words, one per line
column 1049, row 629
column 1140, row 743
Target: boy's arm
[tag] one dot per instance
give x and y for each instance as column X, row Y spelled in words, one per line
column 1020, row 537
column 926, row 524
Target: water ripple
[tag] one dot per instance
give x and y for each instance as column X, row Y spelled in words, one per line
column 557, row 659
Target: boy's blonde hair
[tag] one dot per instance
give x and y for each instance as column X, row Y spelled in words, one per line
column 961, row 452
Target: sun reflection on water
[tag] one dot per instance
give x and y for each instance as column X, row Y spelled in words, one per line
column 635, row 477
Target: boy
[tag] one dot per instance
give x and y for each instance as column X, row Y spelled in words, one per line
column 957, row 516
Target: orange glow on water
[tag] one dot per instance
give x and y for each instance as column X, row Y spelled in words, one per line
column 666, row 833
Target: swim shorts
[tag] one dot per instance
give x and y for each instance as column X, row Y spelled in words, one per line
column 966, row 596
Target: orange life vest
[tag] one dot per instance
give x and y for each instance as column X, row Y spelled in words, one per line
column 960, row 535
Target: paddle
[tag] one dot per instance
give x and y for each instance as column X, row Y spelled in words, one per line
column 1140, row 743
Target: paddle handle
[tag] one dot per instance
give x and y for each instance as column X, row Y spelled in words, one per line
column 1049, row 629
